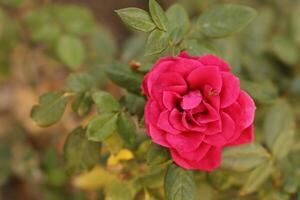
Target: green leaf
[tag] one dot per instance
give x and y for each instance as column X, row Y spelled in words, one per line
column 157, row 155
column 124, row 77
column 136, row 18
column 80, row 154
column 50, row 108
column 178, row 18
column 46, row 33
column 262, row 91
column 179, row 184
column 158, row 15
column 279, row 129
column 82, row 103
column 285, row 49
column 105, row 102
column 75, row 19
column 157, row 42
column 71, row 51
column 153, row 179
column 197, row 48
column 102, row 126
column 225, row 20
column 126, row 128
column 80, row 82
column 135, row 104
column 244, row 157
column 256, row 178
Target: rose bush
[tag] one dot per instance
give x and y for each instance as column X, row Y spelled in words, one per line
column 195, row 107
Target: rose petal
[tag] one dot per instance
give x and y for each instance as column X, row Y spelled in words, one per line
column 170, row 81
column 175, row 119
column 152, row 112
column 171, row 99
column 217, row 140
column 212, row 97
column 245, row 137
column 202, row 76
column 188, row 141
column 191, row 124
column 164, row 124
column 248, row 108
column 158, row 136
column 209, row 162
column 191, row 100
column 197, row 154
column 213, row 128
column 210, row 116
column 181, row 161
column 228, row 126
column 210, row 59
column 230, row 89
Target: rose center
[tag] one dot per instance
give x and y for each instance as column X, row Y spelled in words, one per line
column 191, row 100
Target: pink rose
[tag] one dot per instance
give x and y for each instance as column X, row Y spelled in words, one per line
column 195, row 107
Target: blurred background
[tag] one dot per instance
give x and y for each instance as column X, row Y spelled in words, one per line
column 37, row 42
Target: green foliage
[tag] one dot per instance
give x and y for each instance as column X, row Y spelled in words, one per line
column 102, row 126
column 158, row 15
column 224, row 20
column 124, row 77
column 50, row 108
column 279, row 129
column 244, row 157
column 71, row 51
column 157, row 42
column 79, row 82
column 178, row 19
column 157, row 155
column 136, row 18
column 105, row 102
column 80, row 154
column 179, row 184
column 256, row 178
column 264, row 55
column 126, row 128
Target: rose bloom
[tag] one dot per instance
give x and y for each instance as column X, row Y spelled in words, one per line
column 195, row 107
